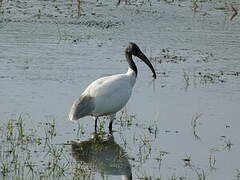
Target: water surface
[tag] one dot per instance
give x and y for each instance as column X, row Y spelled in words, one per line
column 49, row 55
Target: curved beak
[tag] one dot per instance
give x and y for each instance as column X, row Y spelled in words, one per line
column 146, row 60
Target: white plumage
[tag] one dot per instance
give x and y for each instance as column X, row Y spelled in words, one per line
column 108, row 95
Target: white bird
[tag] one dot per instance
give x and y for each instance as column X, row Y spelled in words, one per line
column 108, row 95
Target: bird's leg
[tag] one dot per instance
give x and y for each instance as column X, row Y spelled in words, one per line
column 96, row 119
column 112, row 117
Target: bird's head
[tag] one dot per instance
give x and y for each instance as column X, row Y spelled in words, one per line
column 133, row 49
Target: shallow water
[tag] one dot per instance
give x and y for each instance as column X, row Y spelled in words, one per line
column 49, row 58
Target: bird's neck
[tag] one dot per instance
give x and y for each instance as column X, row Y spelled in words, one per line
column 132, row 76
column 131, row 64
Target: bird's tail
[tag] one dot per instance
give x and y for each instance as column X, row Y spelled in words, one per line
column 83, row 106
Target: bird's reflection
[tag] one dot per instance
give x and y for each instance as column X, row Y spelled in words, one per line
column 103, row 153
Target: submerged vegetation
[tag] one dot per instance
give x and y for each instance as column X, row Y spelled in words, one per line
column 30, row 152
column 34, row 153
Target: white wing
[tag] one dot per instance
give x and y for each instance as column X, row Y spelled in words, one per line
column 110, row 93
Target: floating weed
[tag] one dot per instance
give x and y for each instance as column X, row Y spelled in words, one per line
column 144, row 148
column 195, row 6
column 201, row 175
column 51, row 126
column 230, row 73
column 79, row 8
column 204, row 57
column 186, row 79
column 212, row 160
column 10, row 129
column 227, row 144
column 160, row 157
column 221, row 8
column 168, row 55
column 238, row 174
column 64, row 35
column 153, row 129
column 175, row 177
column 187, row 161
column 210, row 78
column 205, row 78
column 194, row 123
column 5, row 168
column 49, row 131
column 21, row 130
column 125, row 119
column 144, row 176
column 29, row 164
column 177, row 56
column 54, row 166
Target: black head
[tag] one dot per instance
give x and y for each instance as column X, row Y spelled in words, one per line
column 133, row 49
